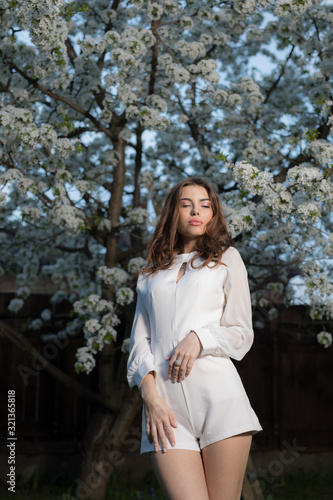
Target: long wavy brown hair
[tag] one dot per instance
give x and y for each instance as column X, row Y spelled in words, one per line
column 167, row 242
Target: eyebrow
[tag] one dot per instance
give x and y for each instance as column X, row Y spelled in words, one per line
column 189, row 199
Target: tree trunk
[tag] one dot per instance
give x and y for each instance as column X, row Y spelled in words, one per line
column 101, row 455
column 107, row 430
column 91, row 483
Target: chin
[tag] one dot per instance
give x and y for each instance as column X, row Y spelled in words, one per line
column 194, row 233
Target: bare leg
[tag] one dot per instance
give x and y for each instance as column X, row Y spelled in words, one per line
column 225, row 463
column 180, row 474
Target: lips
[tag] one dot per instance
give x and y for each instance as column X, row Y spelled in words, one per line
column 195, row 222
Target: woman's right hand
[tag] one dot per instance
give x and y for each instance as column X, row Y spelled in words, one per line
column 159, row 417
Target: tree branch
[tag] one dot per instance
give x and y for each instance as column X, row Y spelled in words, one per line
column 25, row 345
column 75, row 133
column 70, row 51
column 65, row 100
column 275, row 84
column 154, row 51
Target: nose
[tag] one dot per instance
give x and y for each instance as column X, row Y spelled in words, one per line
column 195, row 210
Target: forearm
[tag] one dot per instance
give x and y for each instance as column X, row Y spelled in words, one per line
column 148, row 387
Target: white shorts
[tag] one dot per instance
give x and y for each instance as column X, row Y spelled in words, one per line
column 209, row 405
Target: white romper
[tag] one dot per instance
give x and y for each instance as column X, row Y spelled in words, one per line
column 211, row 403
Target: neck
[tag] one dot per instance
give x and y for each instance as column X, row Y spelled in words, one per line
column 189, row 246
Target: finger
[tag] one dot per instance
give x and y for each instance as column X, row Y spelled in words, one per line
column 189, row 367
column 175, row 367
column 172, row 420
column 175, row 372
column 171, row 364
column 147, row 418
column 170, row 435
column 182, row 370
column 161, row 435
column 155, row 438
column 148, row 432
column 180, row 373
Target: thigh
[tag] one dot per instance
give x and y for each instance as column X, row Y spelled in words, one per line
column 180, row 474
column 225, row 463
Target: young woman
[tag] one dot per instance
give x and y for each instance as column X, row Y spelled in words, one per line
column 193, row 314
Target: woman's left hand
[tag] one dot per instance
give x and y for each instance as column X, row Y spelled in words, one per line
column 183, row 357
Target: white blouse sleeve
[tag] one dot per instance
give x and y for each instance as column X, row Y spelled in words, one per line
column 141, row 360
column 234, row 336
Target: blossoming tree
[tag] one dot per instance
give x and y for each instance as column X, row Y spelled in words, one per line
column 105, row 104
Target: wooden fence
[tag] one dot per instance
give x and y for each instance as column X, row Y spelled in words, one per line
column 287, row 375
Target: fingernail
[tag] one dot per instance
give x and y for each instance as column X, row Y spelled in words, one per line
column 156, row 449
column 173, row 443
column 164, row 450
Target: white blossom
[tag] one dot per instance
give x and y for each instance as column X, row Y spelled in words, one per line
column 23, row 292
column 91, row 327
column 58, row 297
column 287, row 7
column 157, row 102
column 155, row 11
column 125, row 345
column 36, row 324
column 304, row 175
column 15, row 305
column 308, row 210
column 221, row 38
column 206, row 39
column 324, row 339
column 46, row 315
column 322, row 150
column 69, row 216
column 244, row 6
column 112, row 275
column 136, row 264
column 220, row 96
column 3, row 198
column 240, row 219
column 191, row 49
column 85, row 360
column 235, row 99
column 180, row 75
column 110, row 319
column 252, row 178
column 186, row 22
column 146, row 178
column 124, row 296
column 137, row 217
